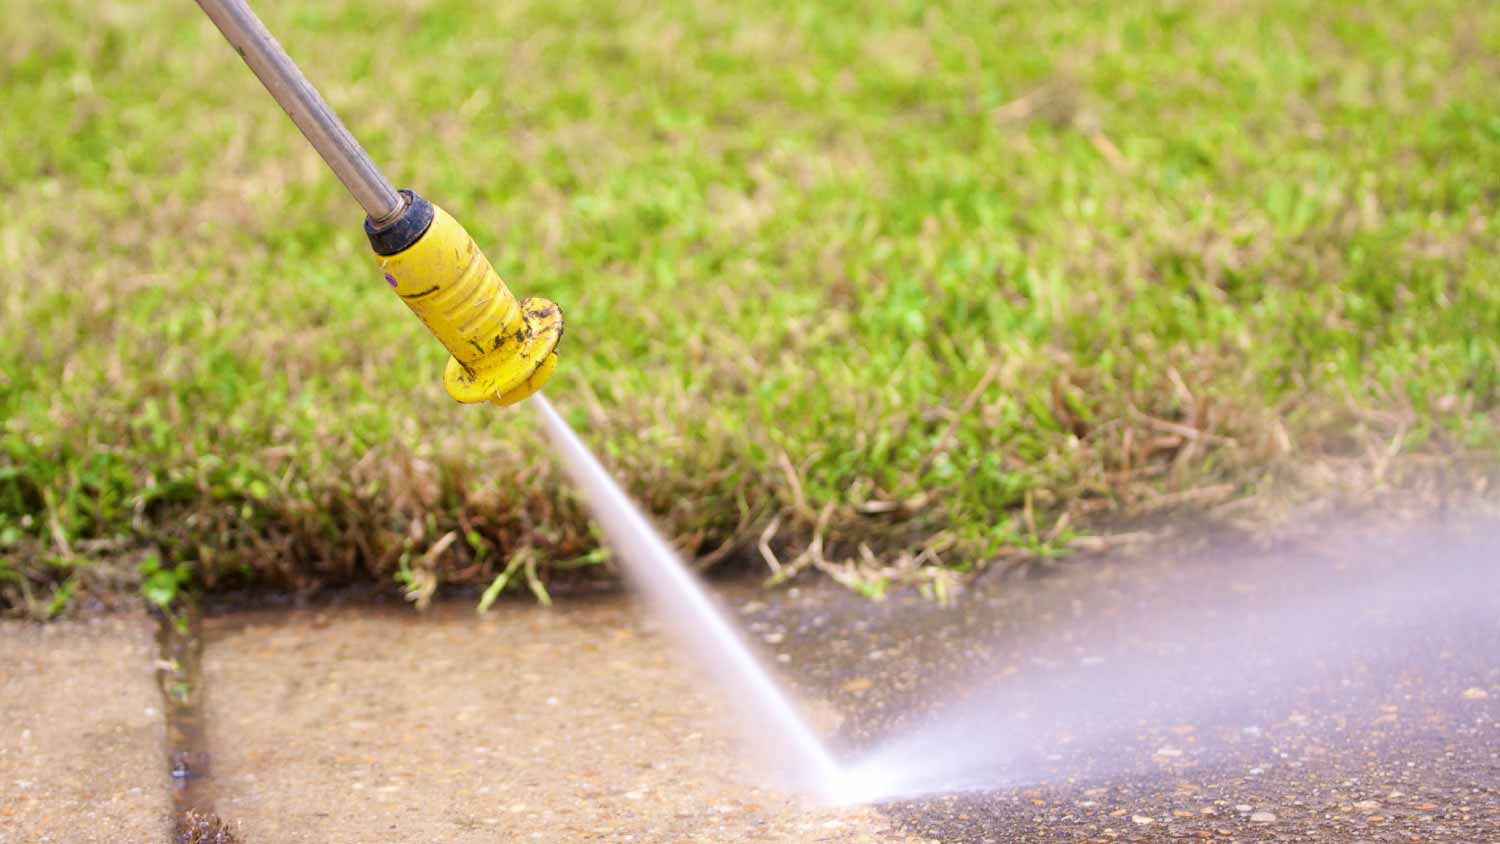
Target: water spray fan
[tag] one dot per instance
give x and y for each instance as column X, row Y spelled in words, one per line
column 502, row 349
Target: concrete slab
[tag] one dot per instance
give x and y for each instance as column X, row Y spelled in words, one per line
column 81, row 735
column 528, row 725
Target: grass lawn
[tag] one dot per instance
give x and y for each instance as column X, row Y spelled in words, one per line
column 933, row 284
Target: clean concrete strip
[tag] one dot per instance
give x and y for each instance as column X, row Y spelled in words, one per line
column 529, row 725
column 81, row 736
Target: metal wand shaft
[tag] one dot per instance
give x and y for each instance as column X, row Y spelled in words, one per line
column 302, row 102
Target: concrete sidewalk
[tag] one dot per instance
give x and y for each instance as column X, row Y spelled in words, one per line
column 566, row 725
column 81, row 734
column 1319, row 691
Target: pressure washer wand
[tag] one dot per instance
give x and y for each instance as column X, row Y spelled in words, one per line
column 503, row 350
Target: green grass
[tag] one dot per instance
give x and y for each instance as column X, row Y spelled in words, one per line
column 951, row 280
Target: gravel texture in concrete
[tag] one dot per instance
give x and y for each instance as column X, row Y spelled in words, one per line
column 81, row 738
column 564, row 725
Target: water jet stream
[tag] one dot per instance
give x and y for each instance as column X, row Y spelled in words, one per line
column 680, row 601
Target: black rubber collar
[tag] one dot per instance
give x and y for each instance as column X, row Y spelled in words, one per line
column 407, row 229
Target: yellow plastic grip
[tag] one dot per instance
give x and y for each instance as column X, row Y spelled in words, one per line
column 503, row 350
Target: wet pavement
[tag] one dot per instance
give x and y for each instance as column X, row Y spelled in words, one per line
column 81, row 740
column 1345, row 689
column 1341, row 690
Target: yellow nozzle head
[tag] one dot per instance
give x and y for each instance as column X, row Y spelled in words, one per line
column 503, row 350
column 535, row 382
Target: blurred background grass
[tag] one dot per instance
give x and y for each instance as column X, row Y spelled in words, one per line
column 895, row 289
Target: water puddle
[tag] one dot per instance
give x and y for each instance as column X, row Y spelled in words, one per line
column 179, row 676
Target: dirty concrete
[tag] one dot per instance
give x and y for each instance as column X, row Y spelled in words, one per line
column 81, row 738
column 575, row 724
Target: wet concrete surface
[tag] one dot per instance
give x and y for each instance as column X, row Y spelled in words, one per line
column 564, row 725
column 1345, row 689
column 81, row 739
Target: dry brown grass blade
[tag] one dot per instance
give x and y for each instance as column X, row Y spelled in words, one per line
column 794, row 483
column 1202, row 496
column 707, row 561
column 1109, row 151
column 772, row 562
column 946, row 440
column 1187, row 432
column 424, row 577
column 1110, row 542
